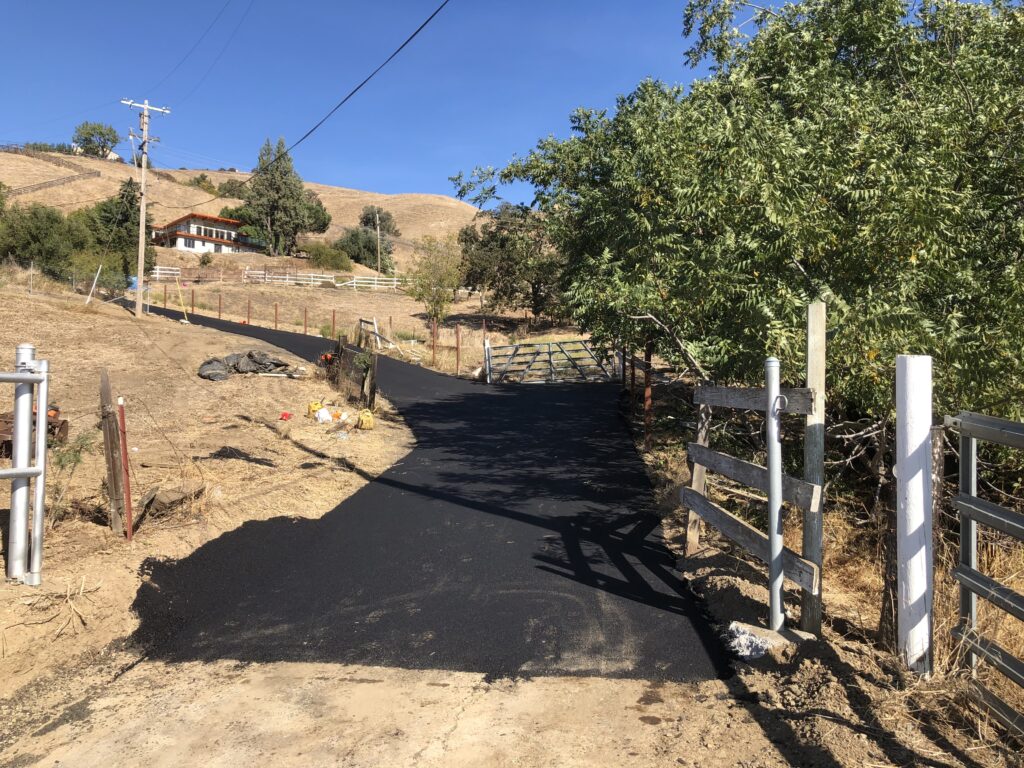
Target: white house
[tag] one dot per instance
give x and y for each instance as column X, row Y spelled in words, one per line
column 202, row 233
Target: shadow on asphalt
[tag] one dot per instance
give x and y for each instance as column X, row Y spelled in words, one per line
column 518, row 538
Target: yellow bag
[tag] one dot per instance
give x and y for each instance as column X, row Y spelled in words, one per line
column 312, row 408
column 365, row 420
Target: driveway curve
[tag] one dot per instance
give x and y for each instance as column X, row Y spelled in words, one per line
column 518, row 538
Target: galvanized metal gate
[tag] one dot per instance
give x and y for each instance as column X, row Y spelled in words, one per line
column 547, row 361
column 973, row 583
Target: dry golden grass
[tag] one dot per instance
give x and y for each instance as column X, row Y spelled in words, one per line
column 416, row 214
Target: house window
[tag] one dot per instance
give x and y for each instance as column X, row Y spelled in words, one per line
column 190, row 242
column 217, row 248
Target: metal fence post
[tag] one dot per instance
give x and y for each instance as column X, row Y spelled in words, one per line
column 968, row 539
column 776, row 613
column 487, row 358
column 17, row 536
column 34, row 575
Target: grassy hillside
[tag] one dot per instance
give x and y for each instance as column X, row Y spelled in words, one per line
column 416, row 214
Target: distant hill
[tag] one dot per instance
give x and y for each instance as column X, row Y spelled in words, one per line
column 416, row 214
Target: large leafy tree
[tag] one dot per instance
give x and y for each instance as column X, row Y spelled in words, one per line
column 860, row 151
column 277, row 207
column 96, row 139
column 437, row 276
column 360, row 244
column 508, row 257
column 372, row 214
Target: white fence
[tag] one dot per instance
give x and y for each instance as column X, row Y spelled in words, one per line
column 373, row 283
column 159, row 273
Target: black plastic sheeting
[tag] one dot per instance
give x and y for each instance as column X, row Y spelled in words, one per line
column 253, row 361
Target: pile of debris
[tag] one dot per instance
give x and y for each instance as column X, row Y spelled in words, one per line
column 253, row 361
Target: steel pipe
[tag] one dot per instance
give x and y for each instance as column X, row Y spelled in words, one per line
column 17, row 535
column 34, row 575
column 20, row 378
column 772, row 419
column 10, row 474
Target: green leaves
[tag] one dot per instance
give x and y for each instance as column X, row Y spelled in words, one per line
column 848, row 150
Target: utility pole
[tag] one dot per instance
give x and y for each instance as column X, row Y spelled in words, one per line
column 376, row 215
column 145, row 109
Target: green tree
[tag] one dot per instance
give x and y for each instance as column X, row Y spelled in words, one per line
column 277, row 207
column 232, row 188
column 96, row 139
column 437, row 275
column 369, row 217
column 203, row 182
column 360, row 244
column 324, row 256
column 509, row 256
column 40, row 235
column 867, row 153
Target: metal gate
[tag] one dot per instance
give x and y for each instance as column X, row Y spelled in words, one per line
column 547, row 361
column 974, row 584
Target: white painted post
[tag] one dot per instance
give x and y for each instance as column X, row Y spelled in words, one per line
column 94, row 280
column 914, row 510
column 21, row 453
column 776, row 613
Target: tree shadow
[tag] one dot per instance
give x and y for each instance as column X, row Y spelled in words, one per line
column 518, row 538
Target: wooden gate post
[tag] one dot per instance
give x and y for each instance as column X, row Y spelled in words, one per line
column 112, row 455
column 165, row 295
column 814, row 460
column 334, row 324
column 275, row 315
column 305, row 321
column 248, row 311
column 698, row 479
column 220, row 303
column 458, row 348
column 648, row 395
column 433, row 343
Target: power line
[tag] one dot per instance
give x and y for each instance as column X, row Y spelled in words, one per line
column 194, row 46
column 333, row 109
column 223, row 49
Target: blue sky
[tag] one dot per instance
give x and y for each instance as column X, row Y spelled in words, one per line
column 484, row 81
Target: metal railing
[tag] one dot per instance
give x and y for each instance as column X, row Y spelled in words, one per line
column 546, row 361
column 30, row 377
column 974, row 584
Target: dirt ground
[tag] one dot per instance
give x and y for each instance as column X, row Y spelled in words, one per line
column 74, row 692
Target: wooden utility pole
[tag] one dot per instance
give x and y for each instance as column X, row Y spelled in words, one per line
column 144, row 146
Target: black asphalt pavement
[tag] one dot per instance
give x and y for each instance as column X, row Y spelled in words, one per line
column 518, row 538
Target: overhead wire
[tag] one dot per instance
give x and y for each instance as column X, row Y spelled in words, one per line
column 217, row 59
column 195, row 45
column 333, row 109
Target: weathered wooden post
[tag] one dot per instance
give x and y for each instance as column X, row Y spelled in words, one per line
column 127, row 482
column 458, row 348
column 248, row 311
column 334, row 324
column 648, row 395
column 112, row 455
column 220, row 303
column 165, row 295
column 814, row 461
column 433, row 343
column 275, row 315
column 305, row 320
column 193, row 305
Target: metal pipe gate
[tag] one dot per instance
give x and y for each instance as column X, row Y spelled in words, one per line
column 30, row 377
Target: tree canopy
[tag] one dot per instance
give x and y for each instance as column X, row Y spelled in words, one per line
column 277, row 208
column 865, row 152
column 360, row 244
column 369, row 217
column 436, row 276
column 96, row 139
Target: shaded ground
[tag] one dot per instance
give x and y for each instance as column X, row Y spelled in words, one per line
column 517, row 538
